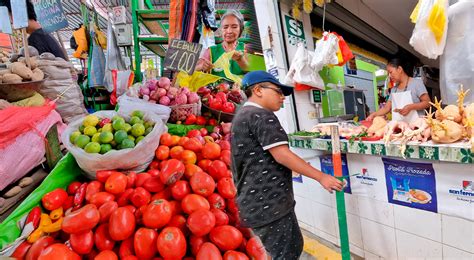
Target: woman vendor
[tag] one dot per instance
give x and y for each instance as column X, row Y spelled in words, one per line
column 408, row 98
column 232, row 25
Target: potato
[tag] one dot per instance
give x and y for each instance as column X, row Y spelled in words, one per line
column 1, row 79
column 11, row 78
column 5, row 71
column 21, row 70
column 12, row 192
column 37, row 75
column 25, row 182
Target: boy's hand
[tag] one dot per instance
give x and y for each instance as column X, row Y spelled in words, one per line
column 330, row 183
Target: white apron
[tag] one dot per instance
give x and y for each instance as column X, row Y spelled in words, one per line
column 399, row 101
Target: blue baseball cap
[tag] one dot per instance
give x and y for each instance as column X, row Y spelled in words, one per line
column 255, row 77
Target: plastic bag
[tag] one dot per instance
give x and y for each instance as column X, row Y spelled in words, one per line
column 97, row 70
column 197, row 80
column 133, row 159
column 82, row 45
column 344, row 53
column 302, row 71
column 122, row 80
column 127, row 104
column 429, row 36
column 223, row 62
column 326, row 51
column 114, row 61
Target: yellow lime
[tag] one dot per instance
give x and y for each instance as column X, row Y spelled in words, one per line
column 127, row 143
column 138, row 130
column 138, row 114
column 131, row 137
column 139, row 139
column 90, row 130
column 106, row 137
column 118, row 124
column 116, row 117
column 82, row 140
column 95, row 138
column 107, row 128
column 119, row 136
column 128, row 127
column 148, row 124
column 135, row 120
column 90, row 120
column 104, row 148
column 92, row 147
column 73, row 136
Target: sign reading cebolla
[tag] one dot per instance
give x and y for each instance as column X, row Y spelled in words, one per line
column 50, row 14
column 182, row 56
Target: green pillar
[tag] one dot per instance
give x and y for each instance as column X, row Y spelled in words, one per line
column 136, row 42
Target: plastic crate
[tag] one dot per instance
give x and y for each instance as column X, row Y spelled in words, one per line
column 180, row 112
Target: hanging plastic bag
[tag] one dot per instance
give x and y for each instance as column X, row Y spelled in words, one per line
column 326, row 51
column 133, row 159
column 207, row 39
column 344, row 53
column 429, row 36
column 114, row 61
column 121, row 81
column 97, row 70
column 224, row 63
column 82, row 44
column 197, row 80
column 302, row 71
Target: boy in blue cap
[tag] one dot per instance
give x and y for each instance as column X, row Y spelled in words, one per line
column 262, row 166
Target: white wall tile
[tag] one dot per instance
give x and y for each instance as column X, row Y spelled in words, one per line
column 353, row 227
column 352, row 203
column 323, row 218
column 451, row 253
column 357, row 250
column 329, row 238
column 301, row 210
column 375, row 210
column 318, row 194
column 379, row 239
column 458, row 233
column 410, row 246
column 371, row 256
column 420, row 222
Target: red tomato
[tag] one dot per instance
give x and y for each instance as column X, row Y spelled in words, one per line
column 153, row 184
column 106, row 210
column 193, row 202
column 176, row 152
column 196, row 242
column 82, row 243
column 154, row 172
column 203, row 131
column 190, row 170
column 121, row 224
column 92, row 188
column 226, row 188
column 154, row 165
column 91, row 255
column 124, row 198
column 188, row 157
column 204, row 164
column 232, row 206
column 216, row 104
column 172, row 171
column 129, row 257
column 218, row 170
column 225, row 157
column 226, row 237
column 216, row 201
column 211, row 151
column 193, row 133
column 81, row 220
column 208, row 251
column 201, row 222
column 102, row 176
column 200, row 120
column 164, row 194
column 212, row 122
column 116, row 183
column 131, row 208
column 255, row 249
column 193, row 144
column 59, row 252
column 175, row 140
column 68, row 203
column 166, row 139
column 141, row 178
column 54, row 199
column 190, row 120
column 228, row 107
column 157, row 214
column 221, row 217
column 178, row 221
column 145, row 243
column 131, row 178
column 139, row 214
column 171, row 243
column 102, row 238
column 72, row 188
column 180, row 189
column 140, row 197
column 182, row 141
column 202, row 184
column 106, row 255
column 37, row 247
column 100, row 198
column 175, row 207
column 235, row 255
column 162, row 152
column 222, row 96
column 126, row 248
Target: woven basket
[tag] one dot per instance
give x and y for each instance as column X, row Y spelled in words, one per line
column 17, row 91
column 180, row 112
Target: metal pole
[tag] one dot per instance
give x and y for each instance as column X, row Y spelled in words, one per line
column 341, row 207
column 136, row 43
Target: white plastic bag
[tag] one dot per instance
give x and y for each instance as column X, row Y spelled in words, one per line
column 128, row 104
column 132, row 159
column 301, row 71
column 326, row 51
column 457, row 62
column 430, row 40
column 115, row 61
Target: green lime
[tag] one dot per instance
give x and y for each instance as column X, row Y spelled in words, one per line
column 138, row 130
column 131, row 137
column 106, row 137
column 90, row 130
column 135, row 120
column 127, row 143
column 107, row 128
column 148, row 124
column 73, row 136
column 148, row 130
column 95, row 138
column 113, row 143
column 138, row 114
column 82, row 140
column 104, row 148
column 128, row 127
column 120, row 135
column 81, row 128
column 139, row 139
column 117, row 117
column 90, row 120
column 118, row 124
column 92, row 147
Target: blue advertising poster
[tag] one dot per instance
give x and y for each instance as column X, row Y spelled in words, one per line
column 411, row 184
column 327, row 167
column 297, row 177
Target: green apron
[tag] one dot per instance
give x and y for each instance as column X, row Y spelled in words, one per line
column 217, row 50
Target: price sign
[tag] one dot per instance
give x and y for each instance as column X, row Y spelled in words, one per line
column 50, row 14
column 20, row 16
column 182, row 56
column 5, row 26
column 316, row 96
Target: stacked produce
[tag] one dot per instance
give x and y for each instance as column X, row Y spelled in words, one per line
column 18, row 72
column 101, row 135
column 221, row 98
column 182, row 208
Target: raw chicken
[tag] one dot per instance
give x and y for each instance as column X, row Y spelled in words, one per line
column 446, row 131
column 394, row 130
column 377, row 128
column 450, row 112
column 419, row 130
column 468, row 121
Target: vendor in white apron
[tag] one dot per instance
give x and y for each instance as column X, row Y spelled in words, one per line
column 409, row 97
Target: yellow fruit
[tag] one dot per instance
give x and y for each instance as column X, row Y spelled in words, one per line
column 95, row 137
column 138, row 130
column 90, row 130
column 90, row 120
column 92, row 147
column 107, row 128
column 82, row 140
column 73, row 136
column 106, row 137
